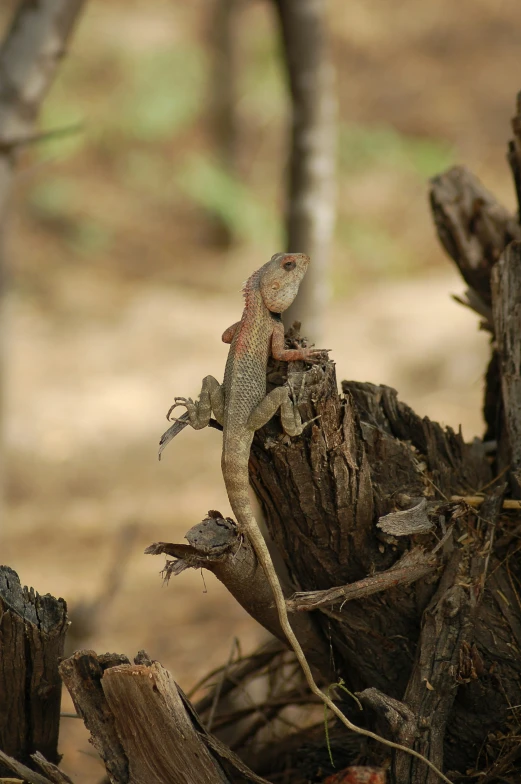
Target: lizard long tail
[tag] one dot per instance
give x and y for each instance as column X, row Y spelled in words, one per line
column 237, row 484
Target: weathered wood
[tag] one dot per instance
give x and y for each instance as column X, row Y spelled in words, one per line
column 159, row 739
column 413, row 565
column 28, row 775
column 475, row 229
column 32, row 637
column 514, row 151
column 322, row 493
column 367, row 485
column 472, row 226
column 369, row 455
column 56, row 775
column 142, row 724
column 506, row 305
column 215, row 544
column 448, row 625
column 370, row 484
column 82, row 674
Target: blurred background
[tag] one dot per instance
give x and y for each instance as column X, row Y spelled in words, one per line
column 120, row 288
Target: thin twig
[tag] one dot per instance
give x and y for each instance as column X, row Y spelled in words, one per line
column 219, row 685
column 477, row 500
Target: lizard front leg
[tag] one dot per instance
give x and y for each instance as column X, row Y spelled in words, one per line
column 278, row 350
column 229, row 333
column 211, row 398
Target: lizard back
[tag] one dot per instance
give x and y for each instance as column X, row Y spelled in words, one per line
column 245, row 372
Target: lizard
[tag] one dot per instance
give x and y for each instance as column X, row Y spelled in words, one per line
column 241, row 406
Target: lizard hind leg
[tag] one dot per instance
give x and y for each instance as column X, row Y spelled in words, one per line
column 278, row 398
column 211, row 399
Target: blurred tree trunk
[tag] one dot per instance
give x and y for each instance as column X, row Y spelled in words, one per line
column 310, row 207
column 222, row 90
column 30, row 55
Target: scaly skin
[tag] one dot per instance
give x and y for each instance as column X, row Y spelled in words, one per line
column 241, row 406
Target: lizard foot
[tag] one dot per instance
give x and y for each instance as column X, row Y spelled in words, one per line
column 315, row 355
column 179, row 401
column 296, row 395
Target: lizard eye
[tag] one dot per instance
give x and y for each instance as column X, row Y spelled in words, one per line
column 289, row 265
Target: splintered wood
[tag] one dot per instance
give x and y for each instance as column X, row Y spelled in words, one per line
column 32, row 636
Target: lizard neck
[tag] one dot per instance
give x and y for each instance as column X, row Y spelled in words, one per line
column 255, row 311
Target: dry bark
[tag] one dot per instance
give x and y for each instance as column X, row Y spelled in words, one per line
column 506, row 306
column 446, row 655
column 32, row 636
column 53, row 775
column 514, row 152
column 413, row 565
column 310, row 208
column 473, row 227
column 143, row 725
column 215, row 544
column 369, row 455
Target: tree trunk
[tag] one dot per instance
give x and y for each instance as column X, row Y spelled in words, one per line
column 310, row 201
column 29, row 58
column 222, row 99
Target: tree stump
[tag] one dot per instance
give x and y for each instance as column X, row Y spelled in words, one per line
column 32, row 638
column 400, row 541
column 142, row 724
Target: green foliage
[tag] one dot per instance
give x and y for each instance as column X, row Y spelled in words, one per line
column 162, row 93
column 362, row 147
column 376, row 251
column 262, row 89
column 90, row 236
column 340, row 685
column 53, row 197
column 144, row 169
column 147, row 96
column 240, row 209
column 56, row 201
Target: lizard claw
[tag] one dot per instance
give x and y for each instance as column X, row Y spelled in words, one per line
column 315, row 355
column 305, row 424
column 294, row 397
column 178, row 401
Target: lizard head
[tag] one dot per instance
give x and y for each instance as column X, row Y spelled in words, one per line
column 280, row 278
